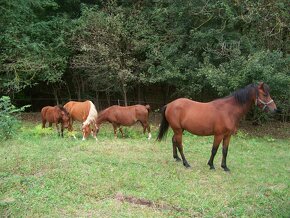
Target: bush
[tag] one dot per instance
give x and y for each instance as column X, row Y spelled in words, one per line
column 9, row 122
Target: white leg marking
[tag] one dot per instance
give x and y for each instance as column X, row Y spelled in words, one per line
column 149, row 136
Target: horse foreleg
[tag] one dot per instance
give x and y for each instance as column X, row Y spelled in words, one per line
column 226, row 142
column 62, row 128
column 121, row 131
column 178, row 139
column 215, row 146
column 94, row 133
column 57, row 127
column 175, row 155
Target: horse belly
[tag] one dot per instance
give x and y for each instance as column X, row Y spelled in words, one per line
column 202, row 125
column 77, row 117
column 125, row 120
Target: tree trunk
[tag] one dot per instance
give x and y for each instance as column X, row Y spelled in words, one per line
column 68, row 91
column 139, row 93
column 125, row 94
column 83, row 89
column 79, row 93
column 55, row 94
column 97, row 101
column 78, row 88
column 108, row 98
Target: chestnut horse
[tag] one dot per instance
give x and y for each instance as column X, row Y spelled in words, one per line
column 84, row 112
column 125, row 116
column 219, row 118
column 56, row 114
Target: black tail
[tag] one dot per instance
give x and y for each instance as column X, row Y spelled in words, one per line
column 163, row 126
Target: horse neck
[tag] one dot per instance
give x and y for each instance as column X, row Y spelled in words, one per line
column 239, row 110
column 92, row 114
column 102, row 117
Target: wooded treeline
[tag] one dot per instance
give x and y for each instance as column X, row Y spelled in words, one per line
column 78, row 49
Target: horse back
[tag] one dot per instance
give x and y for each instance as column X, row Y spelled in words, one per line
column 50, row 113
column 78, row 110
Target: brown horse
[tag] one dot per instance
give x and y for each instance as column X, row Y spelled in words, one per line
column 56, row 114
column 219, row 118
column 125, row 116
column 84, row 112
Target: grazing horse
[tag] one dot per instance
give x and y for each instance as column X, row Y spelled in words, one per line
column 56, row 114
column 125, row 116
column 219, row 118
column 84, row 112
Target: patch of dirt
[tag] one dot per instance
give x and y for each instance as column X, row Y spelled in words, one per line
column 274, row 129
column 140, row 201
column 34, row 117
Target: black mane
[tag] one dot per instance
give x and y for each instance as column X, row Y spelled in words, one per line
column 245, row 94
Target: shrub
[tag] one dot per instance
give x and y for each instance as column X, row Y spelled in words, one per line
column 9, row 122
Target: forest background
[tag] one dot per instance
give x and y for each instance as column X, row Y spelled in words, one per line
column 128, row 52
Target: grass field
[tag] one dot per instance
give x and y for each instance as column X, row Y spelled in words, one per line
column 42, row 175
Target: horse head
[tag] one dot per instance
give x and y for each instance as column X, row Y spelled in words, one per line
column 263, row 98
column 65, row 117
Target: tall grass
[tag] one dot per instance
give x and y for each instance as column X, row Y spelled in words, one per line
column 43, row 175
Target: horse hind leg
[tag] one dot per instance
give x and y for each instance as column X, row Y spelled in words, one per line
column 226, row 142
column 43, row 123
column 149, row 132
column 178, row 140
column 115, row 130
column 145, row 126
column 174, row 146
column 121, row 131
column 215, row 146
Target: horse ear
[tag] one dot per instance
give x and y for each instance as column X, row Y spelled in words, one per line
column 261, row 85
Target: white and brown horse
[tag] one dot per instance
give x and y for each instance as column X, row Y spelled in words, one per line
column 84, row 112
column 125, row 116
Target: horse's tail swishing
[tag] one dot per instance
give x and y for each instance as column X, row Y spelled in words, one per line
column 163, row 126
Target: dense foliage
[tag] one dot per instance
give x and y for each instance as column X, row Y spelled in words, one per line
column 8, row 118
column 201, row 49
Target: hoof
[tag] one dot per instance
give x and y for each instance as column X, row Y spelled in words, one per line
column 212, row 167
column 186, row 165
column 226, row 169
column 177, row 159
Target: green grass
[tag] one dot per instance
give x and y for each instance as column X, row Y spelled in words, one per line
column 42, row 175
